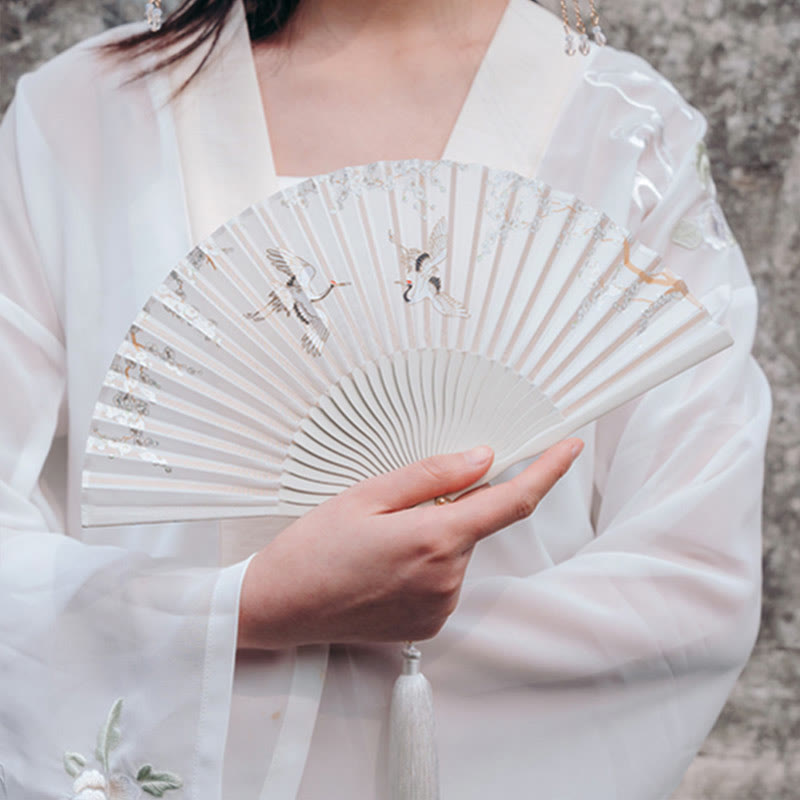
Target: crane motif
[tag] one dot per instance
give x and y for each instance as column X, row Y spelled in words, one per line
column 293, row 296
column 422, row 278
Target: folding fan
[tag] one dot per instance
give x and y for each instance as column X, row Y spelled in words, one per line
column 363, row 319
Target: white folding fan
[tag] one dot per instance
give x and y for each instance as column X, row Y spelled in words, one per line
column 362, row 320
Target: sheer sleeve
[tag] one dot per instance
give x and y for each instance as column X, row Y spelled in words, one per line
column 83, row 627
column 639, row 636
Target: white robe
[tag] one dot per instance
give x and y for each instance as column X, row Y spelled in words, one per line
column 594, row 644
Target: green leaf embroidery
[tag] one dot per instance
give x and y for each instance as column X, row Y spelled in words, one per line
column 74, row 763
column 109, row 736
column 156, row 783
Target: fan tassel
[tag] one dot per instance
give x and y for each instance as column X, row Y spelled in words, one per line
column 413, row 760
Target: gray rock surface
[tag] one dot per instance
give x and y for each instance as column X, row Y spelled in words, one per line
column 736, row 61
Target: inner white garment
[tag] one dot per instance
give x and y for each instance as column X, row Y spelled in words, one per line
column 285, row 181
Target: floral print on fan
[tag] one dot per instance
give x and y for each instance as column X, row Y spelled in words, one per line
column 102, row 784
column 408, row 178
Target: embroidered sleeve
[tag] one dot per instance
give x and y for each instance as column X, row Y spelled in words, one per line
column 108, row 783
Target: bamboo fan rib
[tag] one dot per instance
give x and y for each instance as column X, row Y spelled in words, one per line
column 364, row 319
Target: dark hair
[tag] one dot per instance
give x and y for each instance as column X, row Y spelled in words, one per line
column 195, row 22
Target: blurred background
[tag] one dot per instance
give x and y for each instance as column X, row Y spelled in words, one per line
column 737, row 61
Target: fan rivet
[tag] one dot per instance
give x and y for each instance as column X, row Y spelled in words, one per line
column 440, row 501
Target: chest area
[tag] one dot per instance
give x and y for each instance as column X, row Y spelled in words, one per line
column 342, row 111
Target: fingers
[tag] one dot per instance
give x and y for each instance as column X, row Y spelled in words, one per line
column 424, row 479
column 480, row 513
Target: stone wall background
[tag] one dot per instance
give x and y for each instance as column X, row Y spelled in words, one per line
column 733, row 61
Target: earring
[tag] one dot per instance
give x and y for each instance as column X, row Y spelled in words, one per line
column 597, row 31
column 152, row 14
column 570, row 45
column 583, row 39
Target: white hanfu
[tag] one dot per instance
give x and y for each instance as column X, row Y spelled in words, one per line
column 595, row 642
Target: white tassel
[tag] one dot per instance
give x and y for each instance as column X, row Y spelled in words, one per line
column 413, row 761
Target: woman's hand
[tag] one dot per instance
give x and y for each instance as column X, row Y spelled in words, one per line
column 365, row 566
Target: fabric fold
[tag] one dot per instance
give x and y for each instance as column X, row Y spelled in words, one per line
column 97, row 618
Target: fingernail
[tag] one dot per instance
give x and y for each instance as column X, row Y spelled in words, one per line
column 478, row 455
column 576, row 449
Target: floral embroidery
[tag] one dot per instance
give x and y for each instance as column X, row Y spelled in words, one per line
column 687, row 233
column 703, row 165
column 708, row 224
column 102, row 784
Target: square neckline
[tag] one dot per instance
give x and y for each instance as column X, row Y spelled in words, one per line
column 221, row 132
column 461, row 111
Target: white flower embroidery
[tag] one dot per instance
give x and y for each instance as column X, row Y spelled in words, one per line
column 92, row 784
column 708, row 223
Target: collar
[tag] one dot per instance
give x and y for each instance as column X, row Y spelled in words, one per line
column 222, row 138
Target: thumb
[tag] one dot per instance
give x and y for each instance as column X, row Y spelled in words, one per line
column 424, row 479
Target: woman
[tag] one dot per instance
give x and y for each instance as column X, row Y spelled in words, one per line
column 593, row 643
